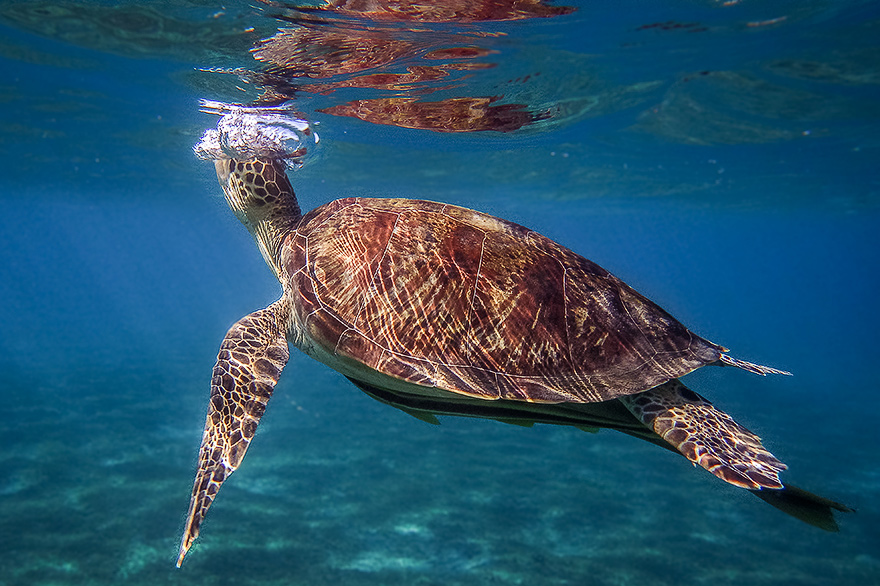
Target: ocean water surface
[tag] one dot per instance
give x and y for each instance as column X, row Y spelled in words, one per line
column 720, row 157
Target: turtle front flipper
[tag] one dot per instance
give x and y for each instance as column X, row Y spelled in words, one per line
column 706, row 435
column 251, row 358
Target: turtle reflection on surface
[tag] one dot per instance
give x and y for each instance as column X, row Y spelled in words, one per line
column 410, row 48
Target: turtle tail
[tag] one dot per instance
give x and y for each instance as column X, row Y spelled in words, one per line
column 728, row 360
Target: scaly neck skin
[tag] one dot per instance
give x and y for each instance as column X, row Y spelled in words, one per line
column 261, row 197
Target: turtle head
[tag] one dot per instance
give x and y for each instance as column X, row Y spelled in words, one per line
column 260, row 194
column 257, row 190
column 251, row 149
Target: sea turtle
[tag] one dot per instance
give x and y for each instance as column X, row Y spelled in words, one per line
column 438, row 309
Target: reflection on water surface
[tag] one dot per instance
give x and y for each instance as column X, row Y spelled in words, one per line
column 406, row 50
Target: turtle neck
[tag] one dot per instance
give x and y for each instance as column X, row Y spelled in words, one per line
column 260, row 194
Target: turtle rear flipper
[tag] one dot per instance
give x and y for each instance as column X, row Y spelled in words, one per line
column 251, row 358
column 810, row 508
column 706, row 435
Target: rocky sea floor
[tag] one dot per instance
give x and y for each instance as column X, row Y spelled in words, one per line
column 339, row 489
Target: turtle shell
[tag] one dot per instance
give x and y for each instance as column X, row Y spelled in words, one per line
column 448, row 298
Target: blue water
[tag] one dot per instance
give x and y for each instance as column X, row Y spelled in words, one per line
column 744, row 201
